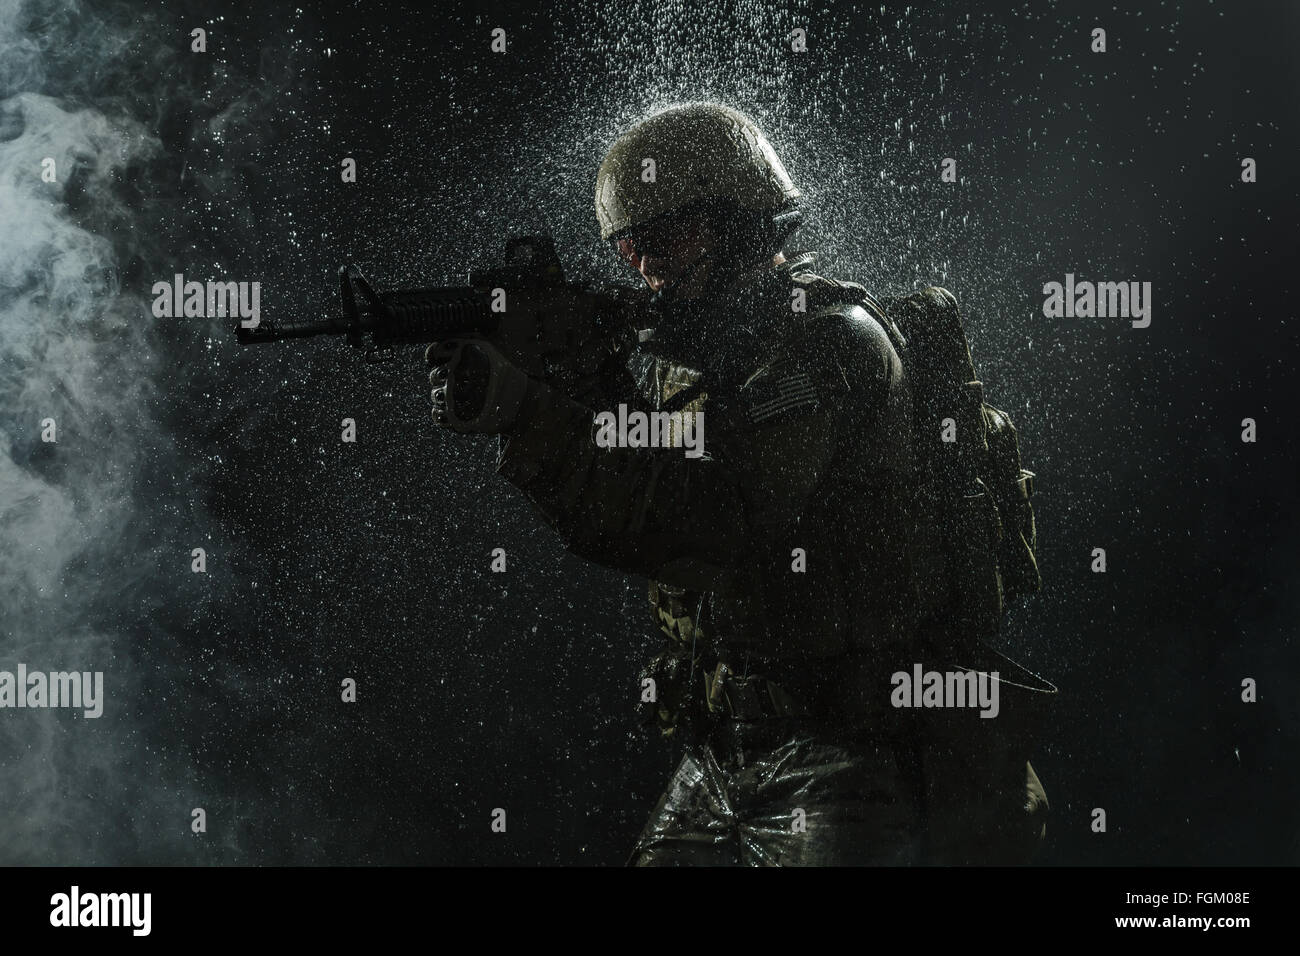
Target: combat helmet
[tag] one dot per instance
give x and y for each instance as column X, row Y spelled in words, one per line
column 692, row 156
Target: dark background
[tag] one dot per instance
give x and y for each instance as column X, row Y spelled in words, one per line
column 371, row 560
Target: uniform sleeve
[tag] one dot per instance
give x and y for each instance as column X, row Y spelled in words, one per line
column 692, row 522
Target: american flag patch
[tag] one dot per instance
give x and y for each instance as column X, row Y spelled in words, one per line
column 776, row 396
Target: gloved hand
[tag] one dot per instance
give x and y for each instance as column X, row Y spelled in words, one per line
column 475, row 388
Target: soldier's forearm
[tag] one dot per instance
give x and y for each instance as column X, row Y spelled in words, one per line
column 648, row 511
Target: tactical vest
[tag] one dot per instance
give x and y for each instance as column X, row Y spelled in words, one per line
column 779, row 626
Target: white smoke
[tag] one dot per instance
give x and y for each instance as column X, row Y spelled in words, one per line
column 75, row 353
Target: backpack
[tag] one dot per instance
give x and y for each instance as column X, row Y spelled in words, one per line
column 976, row 549
column 972, row 552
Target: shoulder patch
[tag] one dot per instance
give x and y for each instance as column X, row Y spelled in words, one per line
column 778, row 390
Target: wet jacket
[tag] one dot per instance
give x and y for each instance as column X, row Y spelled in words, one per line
column 787, row 542
column 783, row 578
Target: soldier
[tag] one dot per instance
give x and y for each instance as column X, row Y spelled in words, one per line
column 786, row 568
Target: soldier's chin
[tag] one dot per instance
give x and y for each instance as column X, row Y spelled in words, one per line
column 690, row 287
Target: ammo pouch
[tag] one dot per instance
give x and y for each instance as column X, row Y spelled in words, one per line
column 1012, row 488
column 665, row 693
column 715, row 693
column 730, row 695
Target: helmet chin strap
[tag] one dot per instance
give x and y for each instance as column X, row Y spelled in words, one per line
column 725, row 269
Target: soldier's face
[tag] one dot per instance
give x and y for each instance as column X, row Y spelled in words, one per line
column 668, row 253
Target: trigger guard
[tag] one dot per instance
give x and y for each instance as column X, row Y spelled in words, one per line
column 444, row 353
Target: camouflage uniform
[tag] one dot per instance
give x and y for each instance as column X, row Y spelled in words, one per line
column 782, row 579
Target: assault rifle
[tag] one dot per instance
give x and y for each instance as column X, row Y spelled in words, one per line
column 526, row 308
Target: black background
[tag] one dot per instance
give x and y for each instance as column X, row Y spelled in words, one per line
column 371, row 560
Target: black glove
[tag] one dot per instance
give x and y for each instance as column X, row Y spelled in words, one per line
column 475, row 388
